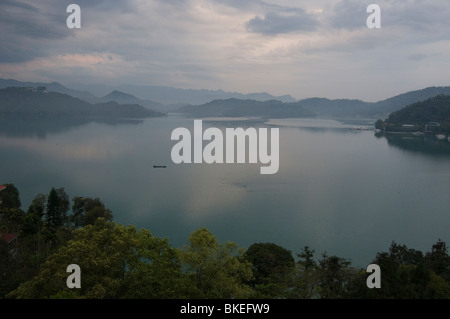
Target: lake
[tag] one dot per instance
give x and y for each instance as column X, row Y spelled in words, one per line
column 338, row 189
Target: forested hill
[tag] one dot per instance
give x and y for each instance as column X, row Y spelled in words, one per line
column 40, row 102
column 435, row 109
column 319, row 107
column 236, row 107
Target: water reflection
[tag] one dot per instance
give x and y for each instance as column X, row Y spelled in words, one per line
column 40, row 127
column 428, row 144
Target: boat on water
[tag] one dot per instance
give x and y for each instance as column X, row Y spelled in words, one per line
column 440, row 136
column 418, row 133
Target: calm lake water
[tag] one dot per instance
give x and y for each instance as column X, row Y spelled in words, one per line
column 338, row 190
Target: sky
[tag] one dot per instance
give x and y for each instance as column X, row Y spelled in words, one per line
column 311, row 48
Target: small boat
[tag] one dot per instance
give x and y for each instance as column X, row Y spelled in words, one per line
column 159, row 166
column 418, row 133
column 440, row 136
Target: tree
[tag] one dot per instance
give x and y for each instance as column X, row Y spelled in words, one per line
column 407, row 274
column 10, row 197
column 57, row 206
column 272, row 266
column 402, row 255
column 306, row 258
column 53, row 216
column 306, row 278
column 85, row 211
column 334, row 276
column 438, row 259
column 269, row 261
column 116, row 262
column 216, row 270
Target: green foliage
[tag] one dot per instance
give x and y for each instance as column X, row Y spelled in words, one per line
column 216, row 270
column 435, row 109
column 334, row 276
column 87, row 210
column 272, row 266
column 10, row 197
column 116, row 262
column 269, row 261
column 406, row 274
column 53, row 217
column 438, row 260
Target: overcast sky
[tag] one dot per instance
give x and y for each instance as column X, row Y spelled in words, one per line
column 303, row 48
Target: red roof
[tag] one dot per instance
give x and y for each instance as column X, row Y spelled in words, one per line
column 8, row 237
column 2, row 187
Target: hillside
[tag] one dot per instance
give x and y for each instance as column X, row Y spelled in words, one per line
column 238, row 108
column 172, row 96
column 53, row 87
column 417, row 115
column 319, row 107
column 40, row 102
column 125, row 98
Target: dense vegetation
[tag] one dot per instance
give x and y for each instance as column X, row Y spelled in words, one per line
column 120, row 261
column 435, row 109
column 31, row 102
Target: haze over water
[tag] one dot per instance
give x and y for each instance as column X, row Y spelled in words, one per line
column 338, row 190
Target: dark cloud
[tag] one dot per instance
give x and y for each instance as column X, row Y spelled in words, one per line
column 283, row 21
column 25, row 20
column 25, row 27
column 349, row 14
column 31, row 29
column 417, row 57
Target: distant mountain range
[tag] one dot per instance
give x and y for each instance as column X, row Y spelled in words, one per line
column 150, row 95
column 33, row 102
column 221, row 103
column 248, row 108
column 53, row 87
column 319, row 107
column 175, row 96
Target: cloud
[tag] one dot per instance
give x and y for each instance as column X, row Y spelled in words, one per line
column 24, row 27
column 285, row 21
column 279, row 46
column 422, row 16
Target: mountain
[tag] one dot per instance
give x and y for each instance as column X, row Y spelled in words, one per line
column 399, row 101
column 168, row 99
column 238, row 108
column 31, row 102
column 320, row 107
column 346, row 108
column 417, row 115
column 175, row 96
column 125, row 98
column 341, row 108
column 53, row 86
